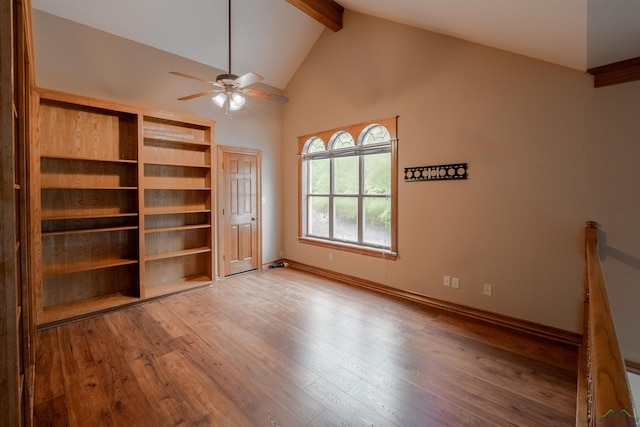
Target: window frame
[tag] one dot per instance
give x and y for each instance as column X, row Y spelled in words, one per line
column 359, row 150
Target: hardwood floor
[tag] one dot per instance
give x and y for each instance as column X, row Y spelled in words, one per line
column 286, row 348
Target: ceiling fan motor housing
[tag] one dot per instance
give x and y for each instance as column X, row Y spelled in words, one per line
column 226, row 78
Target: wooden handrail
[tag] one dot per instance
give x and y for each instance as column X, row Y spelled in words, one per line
column 607, row 393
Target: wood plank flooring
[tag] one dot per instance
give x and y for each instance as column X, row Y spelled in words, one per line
column 286, row 348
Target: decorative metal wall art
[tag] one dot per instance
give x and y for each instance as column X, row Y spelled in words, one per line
column 437, row 173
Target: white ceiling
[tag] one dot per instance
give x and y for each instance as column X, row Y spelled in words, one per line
column 272, row 38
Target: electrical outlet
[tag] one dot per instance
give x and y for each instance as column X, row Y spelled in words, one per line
column 446, row 281
column 487, row 289
column 330, row 257
column 455, row 282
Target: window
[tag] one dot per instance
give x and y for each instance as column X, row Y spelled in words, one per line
column 348, row 180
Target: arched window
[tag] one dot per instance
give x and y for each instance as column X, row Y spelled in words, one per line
column 314, row 145
column 340, row 140
column 348, row 188
column 374, row 134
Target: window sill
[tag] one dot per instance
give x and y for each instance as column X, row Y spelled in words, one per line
column 361, row 250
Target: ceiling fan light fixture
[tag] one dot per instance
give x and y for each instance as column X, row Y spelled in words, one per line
column 219, row 99
column 236, row 101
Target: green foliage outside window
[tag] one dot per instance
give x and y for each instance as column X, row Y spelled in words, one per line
column 377, row 181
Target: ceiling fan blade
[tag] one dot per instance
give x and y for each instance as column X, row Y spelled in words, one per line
column 266, row 95
column 196, row 95
column 247, row 79
column 177, row 73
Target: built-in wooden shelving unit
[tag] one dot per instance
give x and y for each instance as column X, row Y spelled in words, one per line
column 178, row 198
column 126, row 205
column 88, row 182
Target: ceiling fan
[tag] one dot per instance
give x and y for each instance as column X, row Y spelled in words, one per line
column 229, row 89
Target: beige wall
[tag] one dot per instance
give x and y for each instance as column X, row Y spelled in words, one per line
column 77, row 59
column 613, row 147
column 517, row 223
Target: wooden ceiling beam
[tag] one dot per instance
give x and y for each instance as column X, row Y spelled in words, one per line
column 618, row 72
column 327, row 12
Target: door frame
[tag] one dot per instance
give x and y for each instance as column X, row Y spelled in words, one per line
column 222, row 189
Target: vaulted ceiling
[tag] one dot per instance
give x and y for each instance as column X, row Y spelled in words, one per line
column 272, row 37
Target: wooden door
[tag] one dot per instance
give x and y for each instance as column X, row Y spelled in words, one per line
column 240, row 175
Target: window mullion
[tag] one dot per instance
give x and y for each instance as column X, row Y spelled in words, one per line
column 306, row 172
column 360, row 199
column 331, row 193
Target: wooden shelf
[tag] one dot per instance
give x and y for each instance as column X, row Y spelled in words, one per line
column 171, row 154
column 85, row 266
column 88, row 230
column 86, row 159
column 168, row 138
column 178, row 164
column 177, row 228
column 176, row 254
column 157, row 211
column 166, row 188
column 177, row 286
column 57, row 174
column 63, row 312
column 87, row 188
column 79, row 203
column 64, row 217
